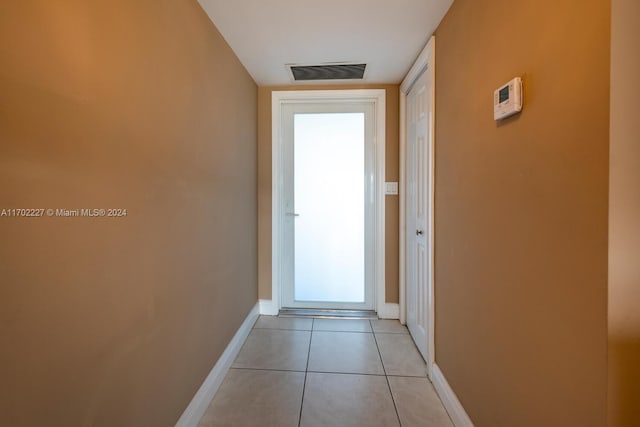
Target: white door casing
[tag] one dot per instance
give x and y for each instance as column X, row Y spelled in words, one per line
column 294, row 215
column 417, row 228
column 375, row 97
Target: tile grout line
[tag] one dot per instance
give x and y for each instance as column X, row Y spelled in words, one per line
column 242, row 368
column 386, row 377
column 391, row 333
column 347, row 373
column 306, row 370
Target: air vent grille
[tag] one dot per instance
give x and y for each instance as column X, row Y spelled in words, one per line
column 328, row 72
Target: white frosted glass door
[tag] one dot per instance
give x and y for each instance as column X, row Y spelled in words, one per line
column 329, row 190
column 328, row 187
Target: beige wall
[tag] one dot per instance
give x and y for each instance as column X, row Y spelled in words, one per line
column 138, row 105
column 624, row 217
column 521, row 211
column 264, row 184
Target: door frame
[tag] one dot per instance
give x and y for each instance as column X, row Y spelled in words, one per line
column 279, row 98
column 424, row 63
column 288, row 281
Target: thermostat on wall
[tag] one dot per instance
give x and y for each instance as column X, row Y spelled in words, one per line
column 507, row 100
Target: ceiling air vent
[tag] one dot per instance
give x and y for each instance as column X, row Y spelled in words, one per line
column 327, row 72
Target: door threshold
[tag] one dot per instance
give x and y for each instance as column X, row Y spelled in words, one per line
column 327, row 313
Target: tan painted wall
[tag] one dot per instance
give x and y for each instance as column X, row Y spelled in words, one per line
column 521, row 211
column 624, row 217
column 118, row 104
column 264, row 184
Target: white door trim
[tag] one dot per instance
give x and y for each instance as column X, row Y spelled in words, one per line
column 288, row 287
column 278, row 98
column 425, row 61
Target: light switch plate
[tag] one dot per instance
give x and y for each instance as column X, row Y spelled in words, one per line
column 391, row 188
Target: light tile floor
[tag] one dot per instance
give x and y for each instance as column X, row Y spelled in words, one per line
column 327, row 372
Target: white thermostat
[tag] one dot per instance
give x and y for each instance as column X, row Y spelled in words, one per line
column 507, row 100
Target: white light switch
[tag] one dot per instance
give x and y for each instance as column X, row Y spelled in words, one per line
column 391, row 188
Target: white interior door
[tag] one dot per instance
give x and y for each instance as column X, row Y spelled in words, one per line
column 328, row 205
column 418, row 227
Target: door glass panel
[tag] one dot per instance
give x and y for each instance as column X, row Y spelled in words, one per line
column 329, row 177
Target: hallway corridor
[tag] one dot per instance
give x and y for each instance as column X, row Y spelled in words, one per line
column 327, row 372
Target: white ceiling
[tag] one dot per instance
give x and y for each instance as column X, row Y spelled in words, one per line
column 387, row 35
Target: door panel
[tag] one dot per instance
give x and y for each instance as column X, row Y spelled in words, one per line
column 418, row 230
column 328, row 206
column 329, row 189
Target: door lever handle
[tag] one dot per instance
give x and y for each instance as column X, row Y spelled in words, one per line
column 292, row 214
column 419, row 232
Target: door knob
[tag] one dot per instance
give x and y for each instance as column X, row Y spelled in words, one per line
column 419, row 232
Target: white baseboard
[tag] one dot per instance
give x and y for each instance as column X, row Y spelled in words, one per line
column 200, row 402
column 268, row 308
column 449, row 399
column 389, row 311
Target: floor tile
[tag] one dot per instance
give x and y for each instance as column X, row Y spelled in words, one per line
column 347, row 400
column 349, row 352
column 400, row 355
column 274, row 349
column 417, row 403
column 256, row 398
column 342, row 325
column 388, row 327
column 274, row 322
